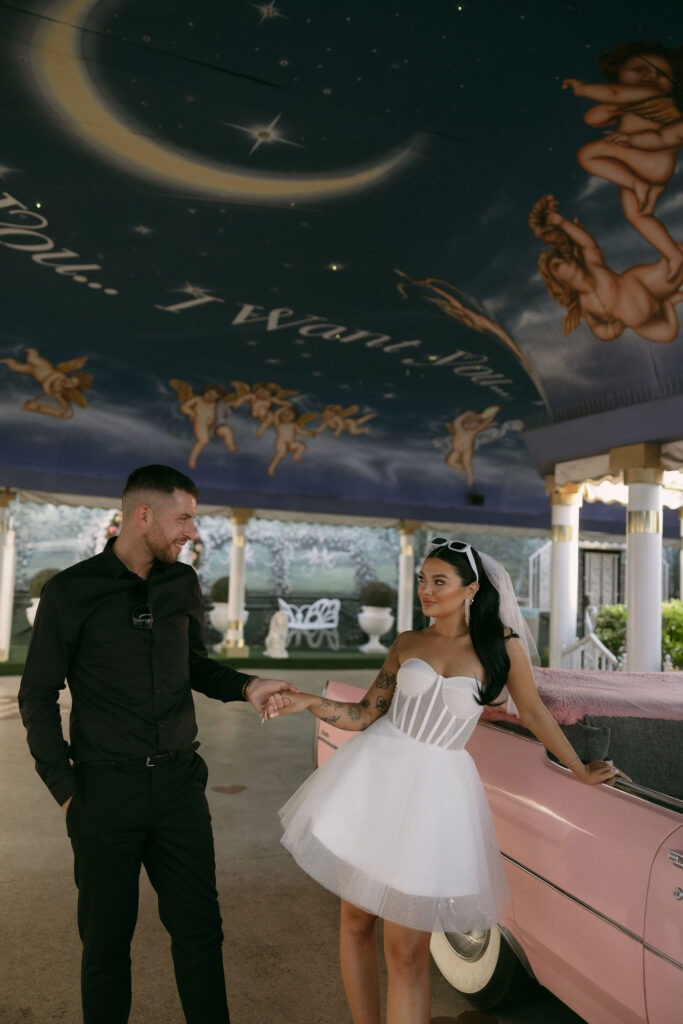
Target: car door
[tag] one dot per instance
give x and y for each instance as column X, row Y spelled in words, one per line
column 578, row 860
column 663, row 938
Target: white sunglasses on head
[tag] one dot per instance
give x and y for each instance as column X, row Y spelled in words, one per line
column 461, row 547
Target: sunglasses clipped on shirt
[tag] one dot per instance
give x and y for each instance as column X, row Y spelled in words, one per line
column 461, row 547
column 141, row 615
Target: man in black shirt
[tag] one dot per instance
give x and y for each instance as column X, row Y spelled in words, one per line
column 125, row 629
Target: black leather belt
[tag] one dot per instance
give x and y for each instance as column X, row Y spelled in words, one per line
column 145, row 761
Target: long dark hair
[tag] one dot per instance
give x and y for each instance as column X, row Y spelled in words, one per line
column 487, row 632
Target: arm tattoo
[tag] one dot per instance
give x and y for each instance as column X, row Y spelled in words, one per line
column 385, row 679
column 381, row 704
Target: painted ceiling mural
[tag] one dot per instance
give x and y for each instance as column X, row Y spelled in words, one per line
column 334, row 257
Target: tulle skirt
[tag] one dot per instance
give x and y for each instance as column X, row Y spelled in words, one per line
column 402, row 829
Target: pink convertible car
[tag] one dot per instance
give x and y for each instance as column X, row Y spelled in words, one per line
column 595, row 873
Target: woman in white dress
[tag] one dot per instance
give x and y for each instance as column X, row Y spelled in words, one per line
column 396, row 822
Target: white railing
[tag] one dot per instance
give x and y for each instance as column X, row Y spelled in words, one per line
column 589, row 652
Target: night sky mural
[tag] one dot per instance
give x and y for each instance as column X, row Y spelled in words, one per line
column 335, row 258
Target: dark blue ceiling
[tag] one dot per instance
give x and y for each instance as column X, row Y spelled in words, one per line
column 332, row 200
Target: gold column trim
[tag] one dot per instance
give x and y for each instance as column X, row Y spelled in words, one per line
column 644, row 521
column 644, row 475
column 409, row 526
column 241, row 516
column 6, row 496
column 235, row 624
column 567, row 494
column 239, row 541
column 564, row 534
column 644, row 455
column 407, row 550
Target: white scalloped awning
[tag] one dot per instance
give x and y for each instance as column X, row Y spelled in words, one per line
column 601, row 485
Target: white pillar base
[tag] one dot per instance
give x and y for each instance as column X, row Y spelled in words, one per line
column 233, row 645
column 406, row 577
column 644, row 577
column 564, row 579
column 7, row 567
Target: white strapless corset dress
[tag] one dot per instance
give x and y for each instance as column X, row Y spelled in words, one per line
column 397, row 821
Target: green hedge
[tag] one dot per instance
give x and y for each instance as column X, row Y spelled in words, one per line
column 611, row 628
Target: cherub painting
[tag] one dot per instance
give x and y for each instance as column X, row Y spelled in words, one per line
column 339, row 419
column 62, row 385
column 463, row 431
column 289, row 426
column 204, row 412
column 260, row 398
column 642, row 99
column 577, row 277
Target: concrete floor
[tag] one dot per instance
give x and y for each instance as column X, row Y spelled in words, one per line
column 281, row 928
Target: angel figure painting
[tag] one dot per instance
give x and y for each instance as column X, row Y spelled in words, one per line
column 207, row 416
column 339, row 419
column 289, row 427
column 463, row 431
column 642, row 99
column 62, row 386
column 261, row 398
column 575, row 272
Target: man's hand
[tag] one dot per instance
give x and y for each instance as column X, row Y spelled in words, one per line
column 260, row 690
column 65, row 806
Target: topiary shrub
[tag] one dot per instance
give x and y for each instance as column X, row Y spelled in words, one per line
column 611, row 629
column 672, row 632
column 37, row 582
column 377, row 595
column 219, row 589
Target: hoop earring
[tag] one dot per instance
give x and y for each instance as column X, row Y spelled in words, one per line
column 468, row 602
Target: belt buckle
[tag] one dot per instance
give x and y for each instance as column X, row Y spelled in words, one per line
column 149, row 763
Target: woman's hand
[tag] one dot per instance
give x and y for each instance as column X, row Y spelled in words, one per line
column 286, row 704
column 599, row 771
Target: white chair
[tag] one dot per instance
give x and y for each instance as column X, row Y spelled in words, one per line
column 321, row 614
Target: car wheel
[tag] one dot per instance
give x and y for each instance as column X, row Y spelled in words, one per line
column 481, row 966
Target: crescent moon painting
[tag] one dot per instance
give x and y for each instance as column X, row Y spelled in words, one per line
column 66, row 84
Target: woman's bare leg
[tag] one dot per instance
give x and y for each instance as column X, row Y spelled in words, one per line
column 358, row 955
column 407, row 955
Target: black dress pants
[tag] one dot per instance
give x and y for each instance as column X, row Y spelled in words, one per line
column 120, row 819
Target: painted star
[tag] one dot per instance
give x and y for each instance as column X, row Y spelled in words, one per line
column 194, row 290
column 263, row 134
column 140, row 229
column 268, row 11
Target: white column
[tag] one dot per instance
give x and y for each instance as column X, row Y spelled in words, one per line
column 7, row 564
column 233, row 645
column 406, row 574
column 644, row 570
column 680, row 557
column 565, row 503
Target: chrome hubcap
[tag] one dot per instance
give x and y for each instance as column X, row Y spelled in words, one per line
column 469, row 946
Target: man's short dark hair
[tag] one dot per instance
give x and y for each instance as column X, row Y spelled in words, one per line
column 163, row 479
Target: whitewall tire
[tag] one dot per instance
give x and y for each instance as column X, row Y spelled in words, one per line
column 481, row 966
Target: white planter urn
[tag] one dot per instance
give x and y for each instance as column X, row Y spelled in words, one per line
column 375, row 622
column 31, row 611
column 218, row 617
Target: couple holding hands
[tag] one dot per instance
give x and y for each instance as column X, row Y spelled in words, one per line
column 396, row 822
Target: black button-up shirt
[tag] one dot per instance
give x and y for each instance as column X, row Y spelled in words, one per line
column 131, row 688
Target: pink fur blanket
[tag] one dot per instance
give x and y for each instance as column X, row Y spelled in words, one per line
column 569, row 694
